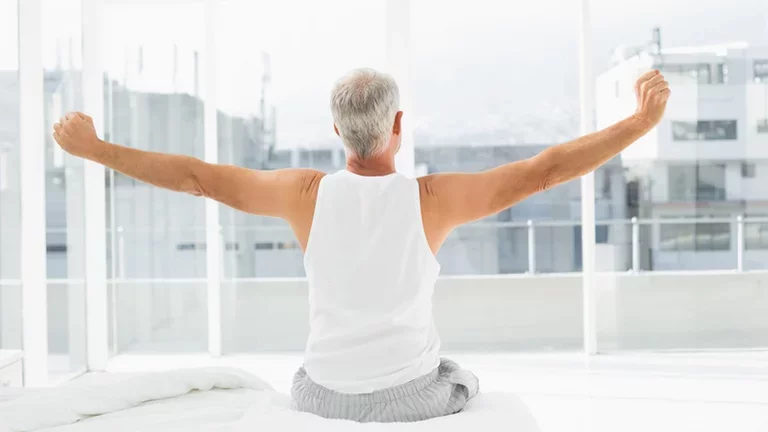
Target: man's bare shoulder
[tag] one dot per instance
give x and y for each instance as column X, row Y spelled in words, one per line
column 434, row 186
column 308, row 180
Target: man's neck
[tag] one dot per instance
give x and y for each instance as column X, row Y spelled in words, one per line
column 373, row 167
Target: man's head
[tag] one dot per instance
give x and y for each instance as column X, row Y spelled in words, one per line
column 365, row 107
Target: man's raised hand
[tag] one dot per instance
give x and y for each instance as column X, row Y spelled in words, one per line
column 76, row 134
column 652, row 92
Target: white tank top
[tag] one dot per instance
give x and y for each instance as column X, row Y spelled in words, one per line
column 371, row 278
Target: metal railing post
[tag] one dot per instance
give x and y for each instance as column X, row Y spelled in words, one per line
column 740, row 243
column 635, row 245
column 531, row 247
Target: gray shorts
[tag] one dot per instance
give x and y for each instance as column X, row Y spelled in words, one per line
column 442, row 392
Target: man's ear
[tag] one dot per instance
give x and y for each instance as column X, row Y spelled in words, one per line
column 335, row 129
column 397, row 126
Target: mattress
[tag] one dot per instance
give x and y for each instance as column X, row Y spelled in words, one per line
column 215, row 399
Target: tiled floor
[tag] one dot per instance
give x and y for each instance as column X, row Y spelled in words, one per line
column 569, row 392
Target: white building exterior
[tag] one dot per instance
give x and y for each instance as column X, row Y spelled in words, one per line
column 708, row 158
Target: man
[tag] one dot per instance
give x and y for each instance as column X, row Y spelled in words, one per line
column 370, row 237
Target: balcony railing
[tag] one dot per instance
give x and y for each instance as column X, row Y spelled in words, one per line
column 535, row 246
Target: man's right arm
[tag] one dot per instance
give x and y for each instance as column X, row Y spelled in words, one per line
column 449, row 200
column 286, row 193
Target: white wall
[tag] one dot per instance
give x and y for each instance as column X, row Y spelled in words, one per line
column 757, row 108
column 755, row 188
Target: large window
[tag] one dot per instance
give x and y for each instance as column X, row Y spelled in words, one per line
column 696, row 187
column 10, row 190
column 64, row 188
column 681, row 216
column 276, row 64
column 491, row 85
column 475, row 108
column 152, row 94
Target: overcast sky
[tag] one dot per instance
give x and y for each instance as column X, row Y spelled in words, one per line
column 475, row 64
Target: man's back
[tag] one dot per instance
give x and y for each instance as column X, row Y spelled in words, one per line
column 371, row 277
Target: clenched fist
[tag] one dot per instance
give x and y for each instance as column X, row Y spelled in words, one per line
column 76, row 134
column 652, row 93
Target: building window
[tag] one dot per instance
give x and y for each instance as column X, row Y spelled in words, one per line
column 694, row 183
column 264, row 246
column 762, row 126
column 760, row 68
column 606, row 183
column 704, row 130
column 287, row 245
column 190, row 246
column 748, row 170
column 695, row 236
column 710, row 182
column 601, row 234
column 56, row 248
column 702, row 72
column 721, row 74
column 755, row 233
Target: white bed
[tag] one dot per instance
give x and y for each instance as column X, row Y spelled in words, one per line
column 215, row 399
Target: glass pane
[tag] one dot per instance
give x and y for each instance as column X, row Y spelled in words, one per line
column 10, row 316
column 252, row 310
column 478, row 104
column 491, row 249
column 466, row 321
column 158, row 316
column 493, row 115
column 153, row 102
column 10, row 192
column 65, row 222
column 689, row 179
column 276, row 64
column 66, row 329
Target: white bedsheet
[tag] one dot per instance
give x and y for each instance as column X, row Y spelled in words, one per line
column 219, row 399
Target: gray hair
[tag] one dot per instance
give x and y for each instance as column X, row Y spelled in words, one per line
column 364, row 104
